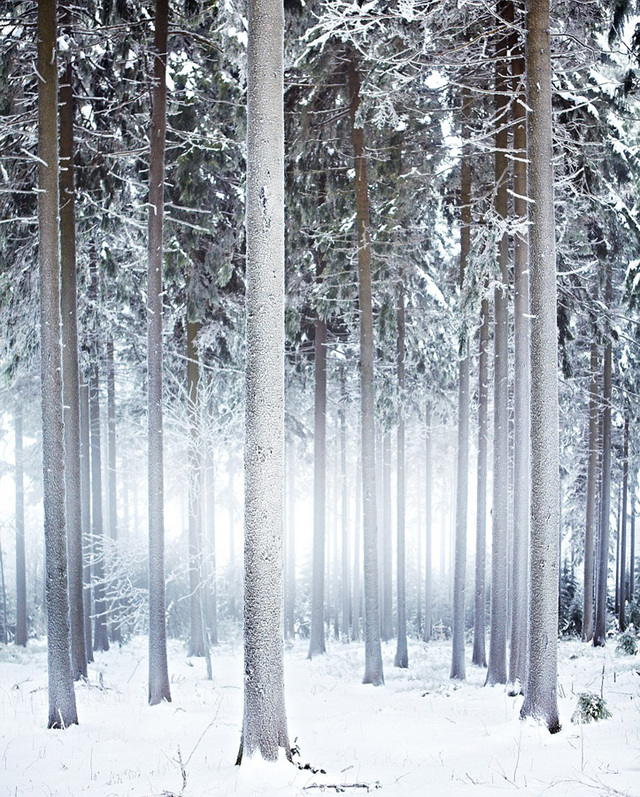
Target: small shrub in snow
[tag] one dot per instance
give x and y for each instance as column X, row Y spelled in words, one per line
column 628, row 642
column 590, row 708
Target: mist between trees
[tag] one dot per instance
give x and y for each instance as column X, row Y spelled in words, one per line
column 334, row 332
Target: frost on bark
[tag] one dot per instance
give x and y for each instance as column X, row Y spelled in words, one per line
column 70, row 377
column 264, row 726
column 21, row 563
column 462, row 469
column 316, row 641
column 159, row 689
column 479, row 656
column 521, row 387
column 497, row 666
column 62, row 701
column 541, row 689
column 373, row 671
column 402, row 654
column 600, row 621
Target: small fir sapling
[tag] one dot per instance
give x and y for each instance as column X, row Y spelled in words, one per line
column 628, row 642
column 590, row 708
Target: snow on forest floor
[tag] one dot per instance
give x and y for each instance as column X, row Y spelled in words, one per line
column 421, row 734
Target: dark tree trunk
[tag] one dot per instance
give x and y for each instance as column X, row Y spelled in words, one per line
column 85, row 505
column 402, row 654
column 115, row 629
column 622, row 615
column 62, row 702
column 592, row 479
column 21, row 562
column 373, row 672
column 159, row 688
column 386, row 628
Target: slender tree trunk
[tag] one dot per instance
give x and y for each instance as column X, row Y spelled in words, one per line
column 62, row 702
column 85, row 506
column 344, row 505
column 521, row 388
column 355, row 626
column 600, row 623
column 373, row 671
column 212, row 603
column 115, row 626
column 232, row 536
column 462, row 469
column 316, row 641
column 386, row 628
column 541, row 700
column 428, row 565
column 622, row 618
column 632, row 540
column 590, row 519
column 290, row 603
column 264, row 724
column 402, row 654
column 497, row 669
column 617, row 557
column 21, row 561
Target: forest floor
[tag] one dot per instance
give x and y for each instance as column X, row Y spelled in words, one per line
column 421, row 734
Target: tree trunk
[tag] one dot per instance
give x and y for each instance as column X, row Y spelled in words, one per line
column 232, row 536
column 290, row 601
column 264, row 724
column 497, row 669
column 21, row 562
column 622, row 619
column 355, row 626
column 85, row 506
column 632, row 541
column 196, row 636
column 62, row 702
column 344, row 505
column 462, row 469
column 212, row 574
column 316, row 641
column 542, row 673
column 592, row 480
column 428, row 565
column 521, row 388
column 386, row 628
column 159, row 688
column 402, row 654
column 600, row 623
column 373, row 671
column 115, row 628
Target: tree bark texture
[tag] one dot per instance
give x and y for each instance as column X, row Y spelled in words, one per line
column 159, row 688
column 85, row 507
column 541, row 700
column 264, row 726
column 373, row 671
column 62, row 701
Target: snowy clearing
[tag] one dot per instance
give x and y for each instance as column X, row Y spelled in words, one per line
column 420, row 734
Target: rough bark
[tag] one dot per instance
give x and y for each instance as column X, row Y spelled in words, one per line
column 497, row 669
column 373, row 671
column 316, row 641
column 462, row 469
column 159, row 688
column 590, row 509
column 21, row 563
column 264, row 727
column 402, row 654
column 62, row 702
column 541, row 700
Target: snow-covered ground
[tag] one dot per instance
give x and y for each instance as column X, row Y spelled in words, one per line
column 421, row 734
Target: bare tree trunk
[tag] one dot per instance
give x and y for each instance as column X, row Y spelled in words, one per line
column 590, row 519
column 21, row 561
column 373, row 671
column 462, row 469
column 541, row 700
column 316, row 641
column 62, row 702
column 355, row 626
column 159, row 688
column 290, row 585
column 115, row 629
column 85, row 505
column 344, row 505
column 497, row 669
column 386, row 628
column 402, row 654
column 212, row 574
column 622, row 619
column 600, row 623
column 264, row 725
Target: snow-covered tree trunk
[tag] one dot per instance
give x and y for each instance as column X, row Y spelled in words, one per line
column 316, row 641
column 344, row 505
column 159, row 688
column 428, row 562
column 264, row 726
column 462, row 467
column 196, row 635
column 386, row 628
column 479, row 656
column 600, row 620
column 521, row 386
column 622, row 615
column 541, row 689
column 112, row 498
column 497, row 669
column 212, row 568
column 85, row 507
column 62, row 701
column 21, row 562
column 402, row 654
column 373, row 671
